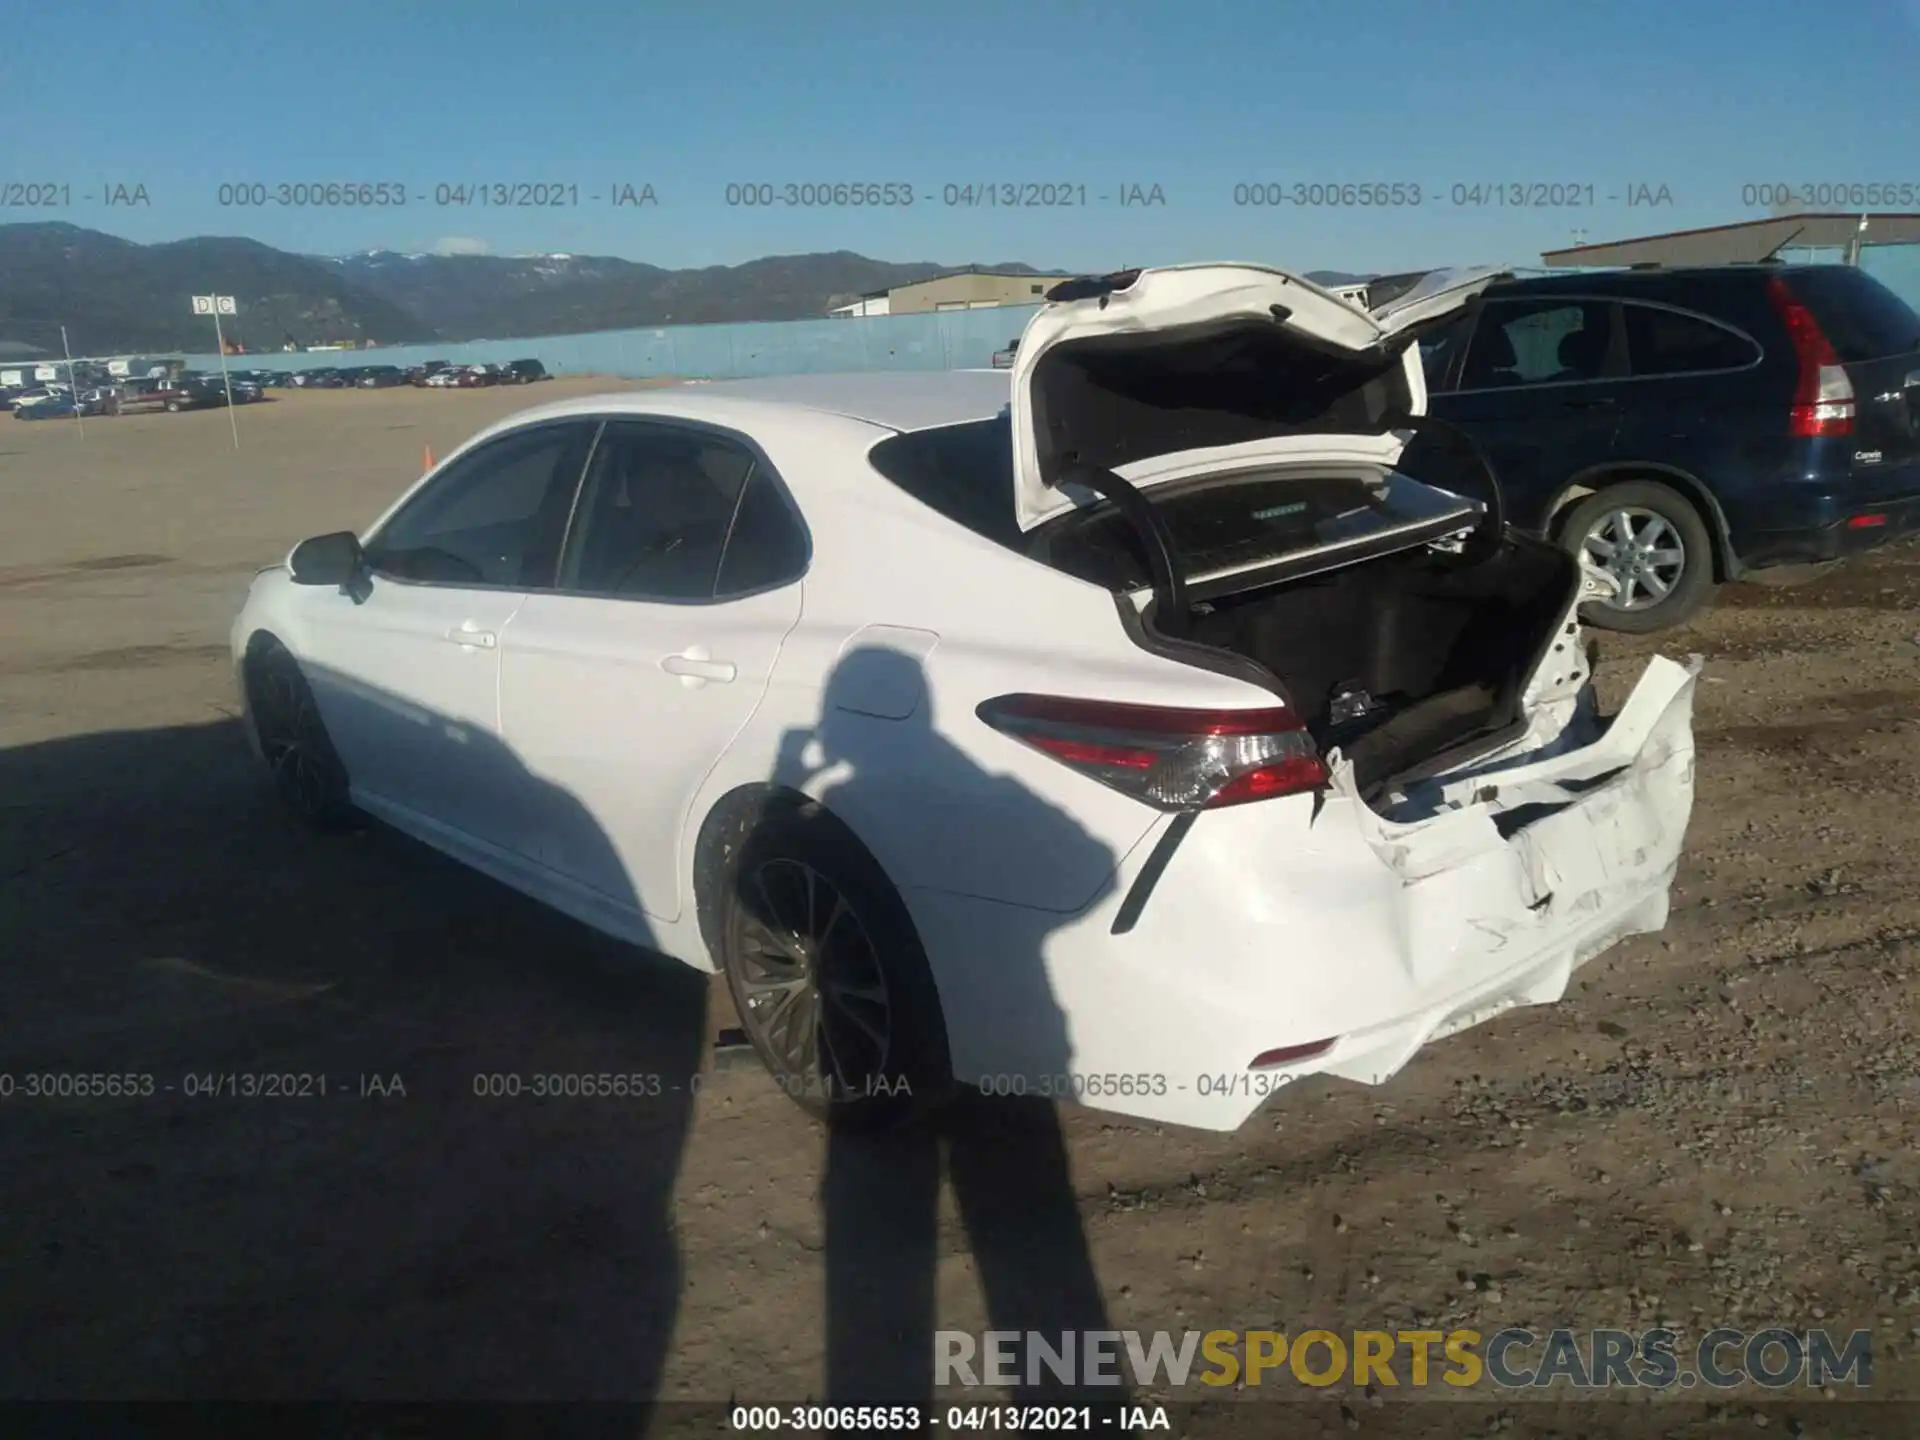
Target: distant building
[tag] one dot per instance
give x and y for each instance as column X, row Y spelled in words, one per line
column 874, row 302
column 1884, row 244
column 969, row 290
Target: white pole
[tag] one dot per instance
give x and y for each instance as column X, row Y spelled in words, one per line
column 221, row 342
column 73, row 382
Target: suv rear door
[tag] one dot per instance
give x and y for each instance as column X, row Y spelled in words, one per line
column 1541, row 388
column 1697, row 386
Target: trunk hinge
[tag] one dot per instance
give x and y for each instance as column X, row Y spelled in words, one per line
column 1493, row 524
column 1172, row 617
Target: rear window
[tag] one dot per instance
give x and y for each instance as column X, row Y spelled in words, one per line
column 1673, row 342
column 1252, row 520
column 963, row 471
column 1862, row 318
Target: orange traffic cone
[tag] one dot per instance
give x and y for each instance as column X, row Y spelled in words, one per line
column 429, row 460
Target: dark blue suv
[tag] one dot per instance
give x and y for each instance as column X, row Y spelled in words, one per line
column 1687, row 427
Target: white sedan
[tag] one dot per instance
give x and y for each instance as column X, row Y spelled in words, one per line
column 1125, row 727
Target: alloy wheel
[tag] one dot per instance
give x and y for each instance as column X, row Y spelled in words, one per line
column 814, row 992
column 1643, row 552
column 294, row 741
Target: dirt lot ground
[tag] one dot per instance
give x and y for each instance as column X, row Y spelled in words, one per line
column 1718, row 1126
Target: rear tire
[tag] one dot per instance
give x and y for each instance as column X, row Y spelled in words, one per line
column 307, row 772
column 828, row 976
column 1657, row 547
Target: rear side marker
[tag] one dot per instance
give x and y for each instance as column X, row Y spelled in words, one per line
column 1289, row 1054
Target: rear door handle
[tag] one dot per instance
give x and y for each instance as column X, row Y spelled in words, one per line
column 1592, row 404
column 695, row 667
column 472, row 639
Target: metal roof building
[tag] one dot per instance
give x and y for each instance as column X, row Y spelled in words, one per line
column 1746, row 242
column 1885, row 245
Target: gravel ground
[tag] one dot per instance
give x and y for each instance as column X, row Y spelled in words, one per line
column 1716, row 1128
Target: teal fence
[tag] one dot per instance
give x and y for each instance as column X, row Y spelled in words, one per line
column 942, row 340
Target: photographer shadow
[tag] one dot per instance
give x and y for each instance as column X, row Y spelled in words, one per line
column 944, row 821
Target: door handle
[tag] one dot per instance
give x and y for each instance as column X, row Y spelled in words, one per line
column 472, row 639
column 1592, row 404
column 695, row 668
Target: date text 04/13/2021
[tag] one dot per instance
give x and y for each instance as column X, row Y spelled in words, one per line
column 913, row 1420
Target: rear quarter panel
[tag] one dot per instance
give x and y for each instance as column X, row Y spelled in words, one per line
column 908, row 623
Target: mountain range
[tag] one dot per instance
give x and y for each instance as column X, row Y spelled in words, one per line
column 116, row 296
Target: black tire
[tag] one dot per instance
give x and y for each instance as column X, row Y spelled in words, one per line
column 307, row 772
column 1647, row 509
column 875, row 1058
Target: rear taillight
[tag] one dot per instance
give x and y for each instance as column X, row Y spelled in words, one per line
column 1823, row 399
column 1292, row 1054
column 1173, row 759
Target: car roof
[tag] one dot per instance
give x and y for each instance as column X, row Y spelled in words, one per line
column 1648, row 280
column 891, row 400
column 897, row 400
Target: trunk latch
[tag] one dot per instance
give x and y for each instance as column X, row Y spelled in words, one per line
column 1351, row 702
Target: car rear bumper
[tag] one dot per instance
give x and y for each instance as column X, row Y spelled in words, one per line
column 1870, row 525
column 1803, row 522
column 1281, row 924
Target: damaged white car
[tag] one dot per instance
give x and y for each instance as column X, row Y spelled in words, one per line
column 1126, row 728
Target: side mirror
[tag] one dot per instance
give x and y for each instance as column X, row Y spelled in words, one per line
column 335, row 559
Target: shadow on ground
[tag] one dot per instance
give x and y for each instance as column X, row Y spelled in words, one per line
column 303, row 1178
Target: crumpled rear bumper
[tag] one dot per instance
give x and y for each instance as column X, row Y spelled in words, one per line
column 1293, row 921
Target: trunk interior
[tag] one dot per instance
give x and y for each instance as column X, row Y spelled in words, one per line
column 1406, row 659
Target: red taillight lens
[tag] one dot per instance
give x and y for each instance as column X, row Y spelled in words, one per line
column 1823, row 400
column 1289, row 1054
column 1867, row 522
column 1173, row 759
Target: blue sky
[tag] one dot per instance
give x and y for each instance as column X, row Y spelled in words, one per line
column 1703, row 97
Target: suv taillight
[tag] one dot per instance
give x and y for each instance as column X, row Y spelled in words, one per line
column 1823, row 400
column 1170, row 758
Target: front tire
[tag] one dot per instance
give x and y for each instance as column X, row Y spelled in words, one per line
column 828, row 976
column 1656, row 546
column 308, row 775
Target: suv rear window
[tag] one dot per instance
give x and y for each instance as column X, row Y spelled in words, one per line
column 1672, row 342
column 1862, row 318
column 1247, row 521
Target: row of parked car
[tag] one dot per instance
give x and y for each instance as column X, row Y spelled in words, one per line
column 190, row 390
column 433, row 374
column 200, row 389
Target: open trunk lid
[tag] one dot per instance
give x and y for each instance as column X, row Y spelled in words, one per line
column 1153, row 376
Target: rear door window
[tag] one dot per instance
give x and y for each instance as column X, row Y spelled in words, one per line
column 767, row 546
column 1862, row 318
column 1550, row 341
column 1675, row 342
column 654, row 513
column 1440, row 349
